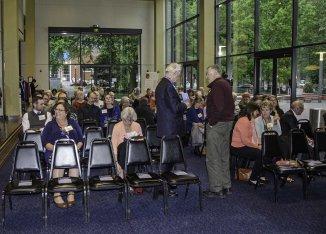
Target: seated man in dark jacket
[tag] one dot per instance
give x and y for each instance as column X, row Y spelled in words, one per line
column 289, row 121
column 143, row 111
column 89, row 111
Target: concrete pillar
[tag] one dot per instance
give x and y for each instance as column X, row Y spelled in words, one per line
column 30, row 38
column 159, row 37
column 12, row 106
column 206, row 38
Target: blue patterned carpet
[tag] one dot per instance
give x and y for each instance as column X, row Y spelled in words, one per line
column 245, row 211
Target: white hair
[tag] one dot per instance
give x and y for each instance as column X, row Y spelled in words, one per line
column 172, row 68
column 128, row 113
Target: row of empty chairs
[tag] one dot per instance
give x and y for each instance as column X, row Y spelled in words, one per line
column 101, row 171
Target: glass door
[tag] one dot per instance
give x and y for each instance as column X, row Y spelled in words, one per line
column 191, row 77
column 275, row 76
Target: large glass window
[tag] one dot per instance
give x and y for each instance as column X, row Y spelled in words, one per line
column 108, row 60
column 242, row 26
column 182, row 34
column 264, row 49
column 275, row 24
column 311, row 21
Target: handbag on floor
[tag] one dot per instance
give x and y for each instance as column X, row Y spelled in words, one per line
column 243, row 174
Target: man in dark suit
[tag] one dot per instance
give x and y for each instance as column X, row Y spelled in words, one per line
column 289, row 121
column 170, row 109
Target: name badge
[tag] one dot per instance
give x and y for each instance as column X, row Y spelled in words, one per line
column 200, row 115
column 41, row 117
column 68, row 128
column 184, row 117
column 104, row 111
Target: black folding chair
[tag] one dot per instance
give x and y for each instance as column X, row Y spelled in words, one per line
column 143, row 125
column 316, row 167
column 172, row 154
column 26, row 160
column 65, row 156
column 138, row 155
column 101, row 159
column 31, row 135
column 298, row 144
column 91, row 133
column 320, row 142
column 154, row 143
column 109, row 128
column 306, row 126
column 271, row 152
column 88, row 123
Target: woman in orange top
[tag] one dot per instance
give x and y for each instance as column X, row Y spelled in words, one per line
column 244, row 139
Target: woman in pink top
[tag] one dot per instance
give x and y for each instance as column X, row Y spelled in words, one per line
column 125, row 129
column 244, row 139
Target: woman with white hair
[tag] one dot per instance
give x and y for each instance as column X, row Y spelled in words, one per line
column 125, row 129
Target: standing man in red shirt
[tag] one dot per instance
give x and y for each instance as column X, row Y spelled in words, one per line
column 220, row 114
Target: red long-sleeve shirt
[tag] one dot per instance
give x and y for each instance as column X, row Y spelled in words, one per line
column 220, row 103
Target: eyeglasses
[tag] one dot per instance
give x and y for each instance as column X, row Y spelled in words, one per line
column 60, row 110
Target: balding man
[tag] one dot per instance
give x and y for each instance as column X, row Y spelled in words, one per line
column 290, row 121
column 170, row 109
column 220, row 115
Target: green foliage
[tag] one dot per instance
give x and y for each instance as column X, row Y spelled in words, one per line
column 120, row 52
column 308, row 88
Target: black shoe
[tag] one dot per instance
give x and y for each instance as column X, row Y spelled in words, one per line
column 210, row 194
column 227, row 191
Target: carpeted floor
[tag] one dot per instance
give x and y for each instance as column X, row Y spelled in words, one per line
column 245, row 211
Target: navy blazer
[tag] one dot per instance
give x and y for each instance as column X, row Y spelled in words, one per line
column 170, row 109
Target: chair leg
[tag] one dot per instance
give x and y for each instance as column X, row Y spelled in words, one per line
column 46, row 205
column 87, row 202
column 85, row 205
column 200, row 197
column 3, row 209
column 275, row 186
column 304, row 186
column 127, row 210
column 120, row 195
column 187, row 190
column 10, row 201
column 165, row 197
column 236, row 167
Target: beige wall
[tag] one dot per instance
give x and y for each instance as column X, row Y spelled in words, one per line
column 85, row 13
column 160, row 36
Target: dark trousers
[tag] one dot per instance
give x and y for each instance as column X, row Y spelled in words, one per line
column 252, row 154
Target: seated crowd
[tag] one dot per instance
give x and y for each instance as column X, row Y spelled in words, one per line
column 57, row 118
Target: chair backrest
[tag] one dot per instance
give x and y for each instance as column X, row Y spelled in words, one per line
column 100, row 155
column 88, row 123
column 298, row 142
column 110, row 126
column 65, row 155
column 92, row 133
column 151, row 137
column 305, row 125
column 270, row 145
column 137, row 153
column 26, row 158
column 171, row 150
column 143, row 125
column 36, row 137
column 320, row 140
